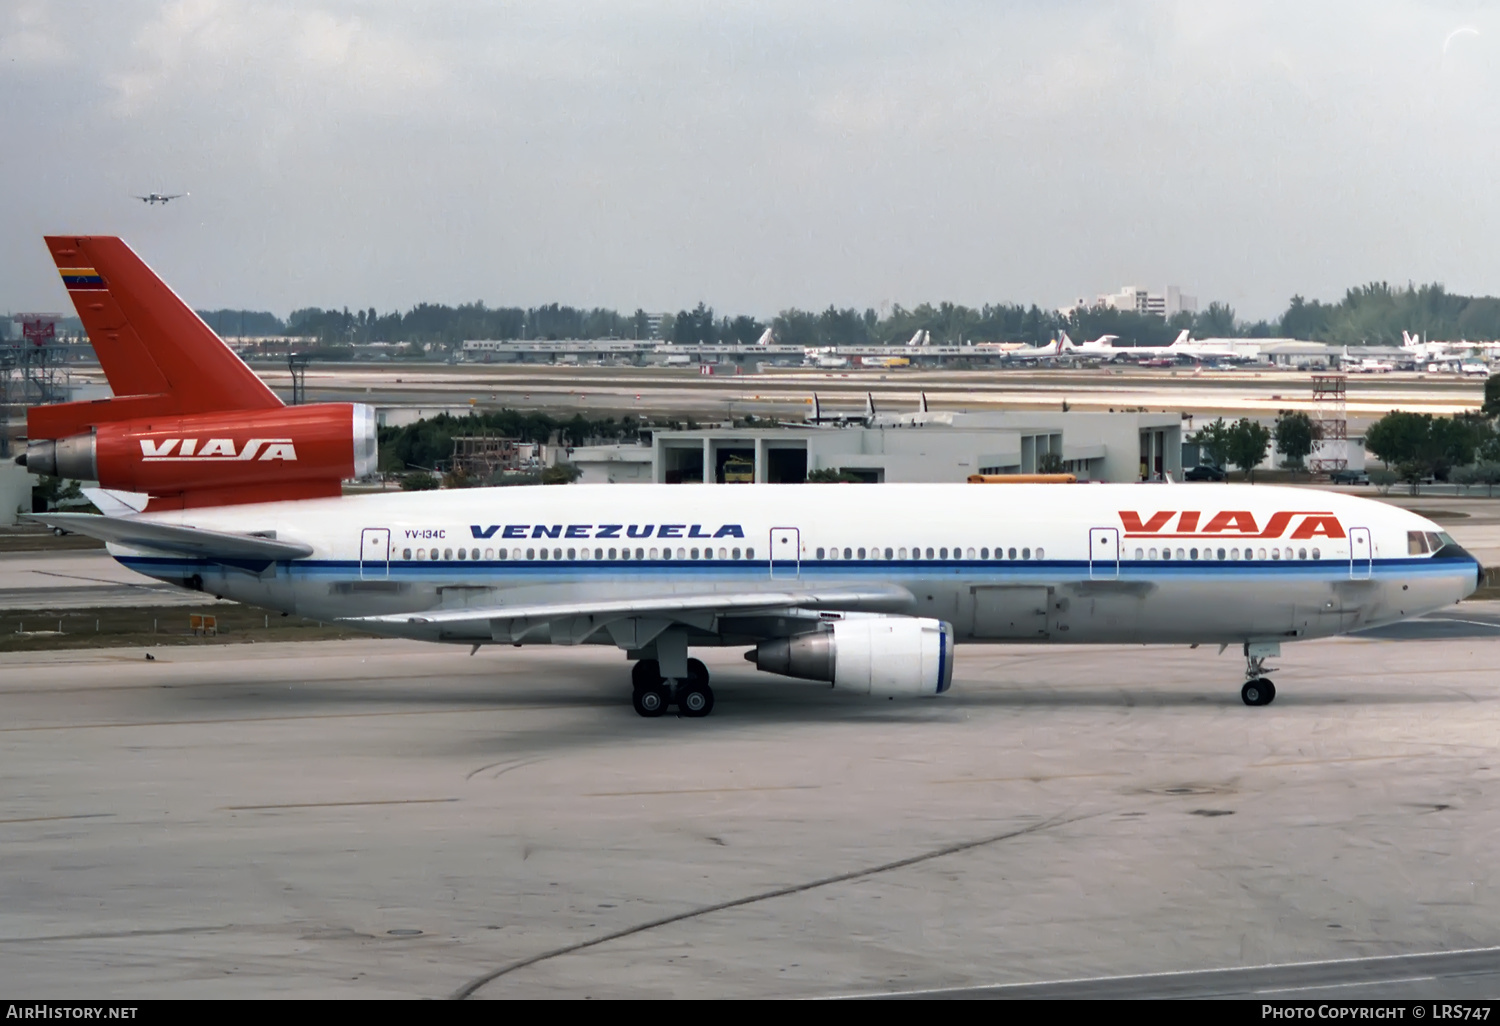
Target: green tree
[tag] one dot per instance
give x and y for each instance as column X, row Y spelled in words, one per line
column 421, row 481
column 833, row 475
column 1214, row 442
column 1248, row 444
column 1419, row 445
column 1295, row 434
column 1491, row 406
column 561, row 473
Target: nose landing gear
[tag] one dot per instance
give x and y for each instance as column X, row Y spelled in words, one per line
column 651, row 693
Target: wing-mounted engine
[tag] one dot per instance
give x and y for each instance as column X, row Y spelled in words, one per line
column 868, row 655
column 216, row 459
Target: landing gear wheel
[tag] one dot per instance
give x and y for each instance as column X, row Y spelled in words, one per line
column 645, row 674
column 1258, row 692
column 697, row 672
column 649, row 701
column 695, row 699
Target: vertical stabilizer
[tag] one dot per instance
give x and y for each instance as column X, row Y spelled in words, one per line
column 149, row 342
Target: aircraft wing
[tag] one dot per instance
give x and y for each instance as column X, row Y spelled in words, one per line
column 181, row 541
column 591, row 616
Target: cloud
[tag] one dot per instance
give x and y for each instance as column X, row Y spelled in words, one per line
column 757, row 154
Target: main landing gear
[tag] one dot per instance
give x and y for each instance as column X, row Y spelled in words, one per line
column 1258, row 689
column 651, row 693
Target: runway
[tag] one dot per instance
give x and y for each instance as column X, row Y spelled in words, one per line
column 387, row 819
column 785, row 392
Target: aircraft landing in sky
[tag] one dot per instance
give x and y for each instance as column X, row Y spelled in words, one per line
column 153, row 198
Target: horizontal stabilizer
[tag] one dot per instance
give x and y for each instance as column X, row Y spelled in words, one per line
column 181, row 541
column 875, row 598
column 114, row 503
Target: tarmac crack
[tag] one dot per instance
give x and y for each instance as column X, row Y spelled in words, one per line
column 473, row 986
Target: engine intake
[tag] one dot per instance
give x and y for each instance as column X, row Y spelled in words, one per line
column 868, row 655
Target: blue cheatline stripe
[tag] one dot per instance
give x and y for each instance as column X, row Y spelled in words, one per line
column 1039, row 571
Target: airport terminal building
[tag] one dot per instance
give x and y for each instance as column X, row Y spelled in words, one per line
column 919, row 447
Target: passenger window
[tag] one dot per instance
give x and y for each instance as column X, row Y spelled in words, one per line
column 848, row 553
column 1275, row 553
column 1140, row 554
column 1221, row 553
column 1013, row 553
column 942, row 553
column 694, row 553
column 612, row 554
column 572, row 553
column 1152, row 554
column 557, row 553
column 447, row 553
column 984, row 553
column 1262, row 554
column 1166, row 553
column 723, row 553
column 462, row 554
column 749, row 553
column 1192, row 553
column 531, row 553
column 970, row 554
column 1039, row 554
column 1317, row 554
column 500, row 552
column 736, row 554
column 887, row 553
column 655, row 553
column 820, row 553
column 406, row 554
column 1025, row 553
column 434, row 554
column 929, row 554
column 861, row 553
column 1181, row 554
column 681, row 553
column 543, row 553
column 1301, row 553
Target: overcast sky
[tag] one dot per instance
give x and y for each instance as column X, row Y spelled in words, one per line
column 753, row 155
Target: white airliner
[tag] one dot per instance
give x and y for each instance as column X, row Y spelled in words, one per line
column 867, row 588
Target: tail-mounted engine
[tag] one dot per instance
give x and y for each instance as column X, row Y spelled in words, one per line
column 869, row 655
column 215, row 459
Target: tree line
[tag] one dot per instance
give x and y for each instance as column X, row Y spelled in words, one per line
column 1414, row 447
column 1374, row 314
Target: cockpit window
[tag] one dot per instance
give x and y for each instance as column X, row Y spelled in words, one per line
column 1434, row 540
column 1416, row 543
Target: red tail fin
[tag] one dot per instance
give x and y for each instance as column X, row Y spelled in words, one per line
column 152, row 347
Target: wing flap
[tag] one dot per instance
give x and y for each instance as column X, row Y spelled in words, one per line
column 182, row 541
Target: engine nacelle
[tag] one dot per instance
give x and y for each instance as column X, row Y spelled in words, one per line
column 868, row 655
column 220, row 458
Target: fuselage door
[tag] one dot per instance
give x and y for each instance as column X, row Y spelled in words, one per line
column 374, row 553
column 1104, row 553
column 1361, row 553
column 786, row 552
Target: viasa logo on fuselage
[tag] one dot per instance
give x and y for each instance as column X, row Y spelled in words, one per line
column 187, row 450
column 1231, row 523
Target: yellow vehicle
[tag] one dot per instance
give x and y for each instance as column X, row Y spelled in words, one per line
column 739, row 470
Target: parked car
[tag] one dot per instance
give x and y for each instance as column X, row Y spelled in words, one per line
column 1205, row 472
column 1349, row 477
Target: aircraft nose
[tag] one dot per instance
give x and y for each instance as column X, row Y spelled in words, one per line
column 1453, row 550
